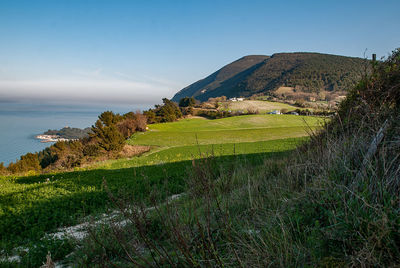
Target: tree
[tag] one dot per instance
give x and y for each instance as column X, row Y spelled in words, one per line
column 3, row 169
column 46, row 157
column 139, row 119
column 127, row 127
column 106, row 132
column 27, row 162
column 108, row 118
column 151, row 116
column 168, row 112
column 112, row 139
column 187, row 102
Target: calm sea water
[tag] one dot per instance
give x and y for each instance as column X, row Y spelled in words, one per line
column 19, row 123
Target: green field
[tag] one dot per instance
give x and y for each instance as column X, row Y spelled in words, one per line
column 246, row 128
column 32, row 206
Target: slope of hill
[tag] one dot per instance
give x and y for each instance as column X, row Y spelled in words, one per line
column 306, row 72
column 334, row 202
column 34, row 205
column 215, row 80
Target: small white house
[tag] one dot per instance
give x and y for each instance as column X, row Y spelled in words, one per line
column 236, row 99
column 275, row 112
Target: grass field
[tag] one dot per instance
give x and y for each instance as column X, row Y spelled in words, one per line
column 32, row 206
column 246, row 128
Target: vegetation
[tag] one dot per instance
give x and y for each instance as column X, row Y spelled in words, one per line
column 306, row 72
column 187, row 102
column 33, row 206
column 69, row 133
column 168, row 112
column 255, row 105
column 333, row 202
column 27, row 162
column 216, row 79
column 246, row 128
column 106, row 132
column 106, row 140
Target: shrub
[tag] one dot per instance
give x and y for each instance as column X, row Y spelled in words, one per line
column 3, row 169
column 168, row 112
column 252, row 110
column 26, row 163
column 127, row 127
column 187, row 102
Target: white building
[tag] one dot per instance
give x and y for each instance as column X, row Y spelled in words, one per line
column 236, row 99
column 275, row 112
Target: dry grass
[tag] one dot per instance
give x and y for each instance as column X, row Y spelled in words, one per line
column 256, row 105
column 284, row 90
column 133, row 150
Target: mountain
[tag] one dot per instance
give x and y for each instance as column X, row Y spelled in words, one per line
column 305, row 72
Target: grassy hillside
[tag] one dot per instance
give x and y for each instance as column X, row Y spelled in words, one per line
column 333, row 202
column 307, row 72
column 238, row 129
column 32, row 207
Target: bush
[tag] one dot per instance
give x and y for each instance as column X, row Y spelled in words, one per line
column 3, row 169
column 252, row 110
column 26, row 163
column 168, row 112
column 187, row 102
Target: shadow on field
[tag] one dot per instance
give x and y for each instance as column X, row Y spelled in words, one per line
column 61, row 199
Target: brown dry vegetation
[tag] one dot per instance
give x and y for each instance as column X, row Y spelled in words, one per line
column 255, row 105
column 133, row 150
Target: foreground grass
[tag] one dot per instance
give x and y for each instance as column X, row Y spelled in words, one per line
column 33, row 206
column 307, row 208
column 333, row 202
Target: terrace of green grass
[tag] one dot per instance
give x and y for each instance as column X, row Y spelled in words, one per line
column 247, row 128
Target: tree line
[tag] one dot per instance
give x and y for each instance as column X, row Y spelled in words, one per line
column 106, row 139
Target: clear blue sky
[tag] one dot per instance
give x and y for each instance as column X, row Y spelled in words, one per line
column 140, row 51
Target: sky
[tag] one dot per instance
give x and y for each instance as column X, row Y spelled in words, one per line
column 137, row 52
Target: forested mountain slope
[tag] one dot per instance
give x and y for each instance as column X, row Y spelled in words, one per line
column 306, row 72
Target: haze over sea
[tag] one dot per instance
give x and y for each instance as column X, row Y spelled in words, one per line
column 20, row 122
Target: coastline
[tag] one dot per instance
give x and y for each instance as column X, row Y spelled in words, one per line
column 50, row 138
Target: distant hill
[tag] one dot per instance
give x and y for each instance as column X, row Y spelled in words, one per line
column 306, row 72
column 69, row 133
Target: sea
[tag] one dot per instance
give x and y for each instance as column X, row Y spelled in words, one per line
column 21, row 122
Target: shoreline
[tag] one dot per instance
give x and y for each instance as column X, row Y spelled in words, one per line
column 50, row 138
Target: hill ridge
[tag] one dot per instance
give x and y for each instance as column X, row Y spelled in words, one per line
column 254, row 74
